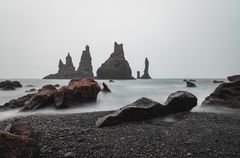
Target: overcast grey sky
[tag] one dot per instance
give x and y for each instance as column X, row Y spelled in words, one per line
column 181, row 38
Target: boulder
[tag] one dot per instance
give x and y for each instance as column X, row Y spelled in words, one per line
column 234, row 78
column 10, row 85
column 190, row 84
column 145, row 108
column 217, row 81
column 146, row 74
column 116, row 66
column 85, row 66
column 105, row 88
column 226, row 94
column 20, row 127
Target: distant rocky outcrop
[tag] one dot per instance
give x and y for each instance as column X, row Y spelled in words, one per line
column 9, row 85
column 138, row 75
column 146, row 74
column 85, row 66
column 234, row 78
column 78, row 91
column 217, row 81
column 190, row 83
column 67, row 71
column 116, row 66
column 145, row 108
column 226, row 94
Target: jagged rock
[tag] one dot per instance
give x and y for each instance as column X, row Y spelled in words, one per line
column 111, row 80
column 77, row 92
column 138, row 75
column 190, row 84
column 146, row 74
column 116, row 66
column 216, row 81
column 31, row 90
column 226, row 94
column 105, row 88
column 20, row 127
column 145, row 108
column 85, row 66
column 234, row 78
column 10, row 85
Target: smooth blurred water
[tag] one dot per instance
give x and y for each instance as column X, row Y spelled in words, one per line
column 123, row 92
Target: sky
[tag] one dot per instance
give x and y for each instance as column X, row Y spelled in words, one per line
column 181, row 38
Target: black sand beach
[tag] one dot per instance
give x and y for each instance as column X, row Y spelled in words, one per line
column 185, row 135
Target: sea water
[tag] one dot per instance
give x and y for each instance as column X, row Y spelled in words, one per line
column 123, row 92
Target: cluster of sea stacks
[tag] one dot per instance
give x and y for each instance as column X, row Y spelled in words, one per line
column 115, row 67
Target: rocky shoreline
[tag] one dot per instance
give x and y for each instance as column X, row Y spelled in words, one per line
column 182, row 135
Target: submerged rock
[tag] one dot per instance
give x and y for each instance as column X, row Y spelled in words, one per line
column 111, row 80
column 217, row 81
column 105, row 88
column 145, row 108
column 10, row 85
column 226, row 94
column 190, row 84
column 116, row 66
column 146, row 74
column 234, row 78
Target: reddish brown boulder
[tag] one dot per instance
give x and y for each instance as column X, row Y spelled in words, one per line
column 234, row 78
column 226, row 94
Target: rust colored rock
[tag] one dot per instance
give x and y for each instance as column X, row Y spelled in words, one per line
column 145, row 108
column 78, row 91
column 105, row 88
column 226, row 94
column 20, row 127
column 234, row 78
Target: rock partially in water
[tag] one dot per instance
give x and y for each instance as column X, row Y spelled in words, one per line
column 31, row 90
column 111, row 80
column 116, row 66
column 226, row 94
column 234, row 78
column 190, row 84
column 105, row 88
column 138, row 75
column 145, row 108
column 217, row 81
column 16, row 103
column 10, row 85
column 146, row 74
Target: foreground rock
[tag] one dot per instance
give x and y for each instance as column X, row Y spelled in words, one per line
column 146, row 74
column 10, row 85
column 226, row 94
column 116, row 66
column 234, row 78
column 145, row 108
column 16, row 141
column 77, row 92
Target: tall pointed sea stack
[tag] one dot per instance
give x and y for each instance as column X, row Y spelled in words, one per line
column 146, row 74
column 65, row 71
column 116, row 66
column 85, row 66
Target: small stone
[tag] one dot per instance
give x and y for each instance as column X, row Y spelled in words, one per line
column 69, row 155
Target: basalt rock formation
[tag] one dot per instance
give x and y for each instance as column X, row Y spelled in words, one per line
column 190, row 83
column 85, row 66
column 226, row 94
column 146, row 74
column 116, row 66
column 138, row 75
column 67, row 71
column 10, row 85
column 77, row 92
column 105, row 88
column 234, row 78
column 145, row 108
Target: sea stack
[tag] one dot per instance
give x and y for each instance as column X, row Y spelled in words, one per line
column 85, row 66
column 116, row 66
column 146, row 74
column 138, row 75
column 65, row 71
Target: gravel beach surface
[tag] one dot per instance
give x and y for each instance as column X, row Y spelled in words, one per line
column 183, row 135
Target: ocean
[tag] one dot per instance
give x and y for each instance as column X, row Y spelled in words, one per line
column 123, row 92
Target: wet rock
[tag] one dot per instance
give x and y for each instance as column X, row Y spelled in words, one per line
column 145, row 108
column 16, row 103
column 190, row 84
column 31, row 90
column 105, row 88
column 10, row 85
column 138, row 75
column 234, row 78
column 20, row 127
column 85, row 66
column 69, row 155
column 111, row 80
column 116, row 66
column 226, row 94
column 217, row 81
column 29, row 85
column 146, row 74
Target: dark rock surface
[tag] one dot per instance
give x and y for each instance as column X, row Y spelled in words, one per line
column 9, row 85
column 31, row 90
column 105, row 88
column 193, row 135
column 111, row 80
column 85, row 66
column 146, row 74
column 145, row 108
column 217, row 81
column 138, row 75
column 234, row 78
column 226, row 94
column 77, row 92
column 116, row 66
column 190, row 84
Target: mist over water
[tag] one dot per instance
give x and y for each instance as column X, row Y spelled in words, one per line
column 123, row 92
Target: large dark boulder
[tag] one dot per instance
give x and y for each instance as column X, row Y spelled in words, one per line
column 116, row 66
column 146, row 74
column 226, row 94
column 234, row 78
column 145, row 108
column 10, row 85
